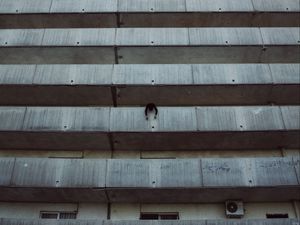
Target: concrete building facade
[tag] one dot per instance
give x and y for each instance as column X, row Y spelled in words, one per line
column 79, row 146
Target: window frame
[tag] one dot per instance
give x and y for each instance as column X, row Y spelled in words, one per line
column 160, row 214
column 58, row 213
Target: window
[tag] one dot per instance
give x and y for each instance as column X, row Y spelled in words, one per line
column 277, row 215
column 159, row 216
column 58, row 215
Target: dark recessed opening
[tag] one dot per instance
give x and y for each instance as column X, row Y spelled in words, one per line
column 277, row 215
column 149, row 216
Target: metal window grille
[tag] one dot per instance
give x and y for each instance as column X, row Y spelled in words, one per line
column 67, row 215
column 58, row 215
column 159, row 216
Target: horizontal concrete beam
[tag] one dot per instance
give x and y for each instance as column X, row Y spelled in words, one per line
column 150, row 37
column 141, row 180
column 92, row 6
column 168, row 85
column 146, row 19
column 8, row 221
column 149, row 45
column 98, row 128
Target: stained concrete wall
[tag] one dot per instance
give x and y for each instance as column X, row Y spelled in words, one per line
column 151, row 154
column 206, row 180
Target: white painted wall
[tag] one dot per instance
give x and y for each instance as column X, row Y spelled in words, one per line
column 125, row 211
column 201, row 211
column 32, row 210
column 122, row 211
column 259, row 210
column 92, row 211
column 189, row 211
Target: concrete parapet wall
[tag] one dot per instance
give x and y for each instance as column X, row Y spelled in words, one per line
column 149, row 45
column 174, row 85
column 175, row 128
column 149, row 181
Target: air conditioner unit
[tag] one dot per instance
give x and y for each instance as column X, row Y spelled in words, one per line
column 234, row 209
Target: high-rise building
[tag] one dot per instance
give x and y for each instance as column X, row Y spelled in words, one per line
column 151, row 112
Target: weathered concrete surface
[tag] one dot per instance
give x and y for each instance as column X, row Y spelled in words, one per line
column 154, row 173
column 274, row 172
column 149, row 181
column 231, row 54
column 207, row 19
column 52, row 195
column 6, row 169
column 57, row 55
column 101, row 128
column 225, row 172
column 144, row 45
column 224, row 36
column 157, row 19
column 56, row 6
column 12, row 118
column 56, row 85
column 59, row 173
column 60, row 20
column 202, row 84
